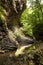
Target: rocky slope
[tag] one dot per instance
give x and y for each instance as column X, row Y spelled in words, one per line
column 32, row 58
column 11, row 39
column 10, row 42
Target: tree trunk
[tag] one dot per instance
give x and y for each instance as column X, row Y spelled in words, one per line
column 13, row 10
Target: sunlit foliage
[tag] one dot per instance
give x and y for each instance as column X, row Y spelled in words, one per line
column 26, row 21
column 1, row 14
column 32, row 21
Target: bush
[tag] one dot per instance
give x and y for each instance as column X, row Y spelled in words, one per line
column 32, row 22
column 26, row 22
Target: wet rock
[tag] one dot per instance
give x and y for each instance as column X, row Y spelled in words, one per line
column 25, row 40
column 5, row 42
column 9, row 47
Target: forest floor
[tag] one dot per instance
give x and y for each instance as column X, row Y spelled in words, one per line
column 33, row 57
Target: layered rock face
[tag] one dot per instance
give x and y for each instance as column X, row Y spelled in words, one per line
column 5, row 41
column 13, row 39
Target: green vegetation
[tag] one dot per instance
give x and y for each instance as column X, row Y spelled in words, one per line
column 1, row 14
column 32, row 20
column 21, row 32
column 26, row 21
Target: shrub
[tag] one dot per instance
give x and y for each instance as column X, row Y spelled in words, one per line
column 32, row 22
